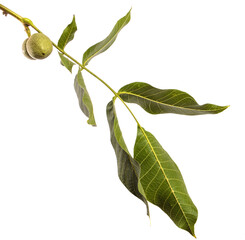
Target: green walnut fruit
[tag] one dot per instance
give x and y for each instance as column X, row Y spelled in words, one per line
column 39, row 46
column 24, row 50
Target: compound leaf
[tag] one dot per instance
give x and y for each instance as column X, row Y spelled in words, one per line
column 128, row 168
column 102, row 46
column 68, row 34
column 155, row 101
column 84, row 99
column 162, row 181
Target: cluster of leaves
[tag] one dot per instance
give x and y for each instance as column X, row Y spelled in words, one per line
column 151, row 174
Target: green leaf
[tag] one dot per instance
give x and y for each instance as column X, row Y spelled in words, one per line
column 66, row 62
column 155, row 101
column 128, row 168
column 162, row 181
column 102, row 46
column 84, row 99
column 65, row 38
column 68, row 34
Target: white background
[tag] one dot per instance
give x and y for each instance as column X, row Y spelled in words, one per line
column 58, row 175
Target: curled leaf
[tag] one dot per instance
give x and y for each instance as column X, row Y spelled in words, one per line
column 84, row 99
column 66, row 62
column 128, row 168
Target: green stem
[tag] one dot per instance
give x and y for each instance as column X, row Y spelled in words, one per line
column 27, row 22
column 115, row 93
column 8, row 11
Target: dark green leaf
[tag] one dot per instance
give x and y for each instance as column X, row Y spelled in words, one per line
column 68, row 34
column 128, row 168
column 85, row 102
column 107, row 42
column 155, row 101
column 66, row 62
column 162, row 181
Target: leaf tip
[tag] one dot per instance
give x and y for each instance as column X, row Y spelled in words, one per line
column 129, row 12
column 192, row 232
column 224, row 108
column 93, row 124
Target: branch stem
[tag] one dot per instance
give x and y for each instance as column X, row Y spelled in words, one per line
column 114, row 92
column 8, row 11
column 27, row 22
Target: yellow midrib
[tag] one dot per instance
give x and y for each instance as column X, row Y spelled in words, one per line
column 169, row 105
column 155, row 155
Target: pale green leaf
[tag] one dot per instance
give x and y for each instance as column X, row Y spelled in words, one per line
column 84, row 99
column 155, row 101
column 162, row 181
column 68, row 34
column 66, row 62
column 102, row 46
column 128, row 168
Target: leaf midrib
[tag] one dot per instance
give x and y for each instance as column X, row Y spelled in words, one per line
column 108, row 41
column 169, row 105
column 69, row 33
column 155, row 155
